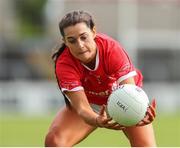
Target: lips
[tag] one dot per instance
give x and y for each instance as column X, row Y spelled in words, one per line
column 82, row 52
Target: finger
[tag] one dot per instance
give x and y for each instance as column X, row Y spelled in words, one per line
column 119, row 127
column 152, row 107
column 116, row 127
column 150, row 115
column 144, row 121
column 105, row 121
column 147, row 119
column 153, row 103
column 152, row 110
column 141, row 123
column 112, row 124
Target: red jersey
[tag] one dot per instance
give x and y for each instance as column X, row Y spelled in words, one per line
column 112, row 65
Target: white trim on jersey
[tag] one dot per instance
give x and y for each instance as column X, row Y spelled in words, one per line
column 130, row 74
column 74, row 89
column 96, row 64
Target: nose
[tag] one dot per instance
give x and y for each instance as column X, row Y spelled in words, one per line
column 80, row 43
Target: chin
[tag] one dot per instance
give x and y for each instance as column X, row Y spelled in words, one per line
column 85, row 59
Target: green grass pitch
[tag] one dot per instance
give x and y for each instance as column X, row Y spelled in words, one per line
column 30, row 131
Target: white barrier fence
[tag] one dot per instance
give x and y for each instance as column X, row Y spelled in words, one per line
column 37, row 98
column 30, row 97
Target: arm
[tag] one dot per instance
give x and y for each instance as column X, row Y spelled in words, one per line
column 80, row 103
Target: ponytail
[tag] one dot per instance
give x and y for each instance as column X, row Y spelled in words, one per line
column 58, row 51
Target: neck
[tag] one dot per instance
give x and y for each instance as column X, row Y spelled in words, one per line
column 92, row 63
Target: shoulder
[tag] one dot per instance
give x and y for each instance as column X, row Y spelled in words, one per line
column 66, row 62
column 107, row 44
column 105, row 39
column 65, row 57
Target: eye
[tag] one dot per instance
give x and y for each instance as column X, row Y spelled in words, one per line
column 83, row 37
column 72, row 41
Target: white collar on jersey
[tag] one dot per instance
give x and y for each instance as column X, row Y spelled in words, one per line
column 96, row 62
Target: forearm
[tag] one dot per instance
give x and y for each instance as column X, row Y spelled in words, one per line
column 88, row 115
column 80, row 103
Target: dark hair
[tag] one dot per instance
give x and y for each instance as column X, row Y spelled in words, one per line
column 71, row 19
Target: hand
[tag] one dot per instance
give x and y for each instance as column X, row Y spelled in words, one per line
column 102, row 120
column 150, row 114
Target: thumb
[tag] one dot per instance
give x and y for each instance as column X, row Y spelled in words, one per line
column 101, row 112
column 152, row 107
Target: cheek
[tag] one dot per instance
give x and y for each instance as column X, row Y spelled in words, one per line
column 73, row 51
column 90, row 43
column 72, row 48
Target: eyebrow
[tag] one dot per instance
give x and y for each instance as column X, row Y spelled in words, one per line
column 70, row 37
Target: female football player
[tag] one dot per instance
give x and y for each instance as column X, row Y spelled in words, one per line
column 87, row 66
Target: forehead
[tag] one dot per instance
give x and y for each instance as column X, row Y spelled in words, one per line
column 76, row 30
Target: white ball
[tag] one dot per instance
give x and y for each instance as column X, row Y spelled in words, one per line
column 128, row 104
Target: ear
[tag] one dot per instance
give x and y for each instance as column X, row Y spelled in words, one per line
column 63, row 39
column 94, row 31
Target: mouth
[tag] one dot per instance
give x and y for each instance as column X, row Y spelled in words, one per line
column 83, row 52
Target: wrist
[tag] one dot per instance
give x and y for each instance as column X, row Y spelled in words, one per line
column 96, row 122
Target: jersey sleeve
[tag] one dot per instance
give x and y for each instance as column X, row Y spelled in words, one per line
column 119, row 63
column 68, row 77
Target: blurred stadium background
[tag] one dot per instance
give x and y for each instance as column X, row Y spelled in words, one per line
column 29, row 96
